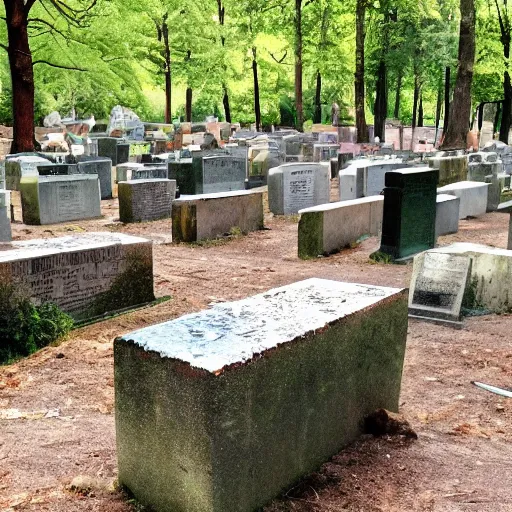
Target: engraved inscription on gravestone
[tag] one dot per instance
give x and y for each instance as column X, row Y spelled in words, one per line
column 70, row 201
column 223, row 174
column 299, row 186
column 438, row 286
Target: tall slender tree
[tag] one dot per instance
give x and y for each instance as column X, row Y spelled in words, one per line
column 362, row 127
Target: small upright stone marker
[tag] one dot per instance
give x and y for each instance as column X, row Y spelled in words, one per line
column 145, row 200
column 220, row 411
column 293, row 187
column 409, row 212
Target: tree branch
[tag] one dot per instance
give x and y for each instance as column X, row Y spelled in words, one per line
column 51, row 64
column 279, row 61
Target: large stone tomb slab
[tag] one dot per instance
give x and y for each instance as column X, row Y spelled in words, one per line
column 85, row 275
column 328, row 228
column 54, row 199
column 451, row 168
column 293, row 187
column 5, row 216
column 409, row 212
column 438, row 285
column 145, row 200
column 222, row 410
column 473, row 197
column 18, row 166
column 490, row 283
column 447, row 214
column 208, row 216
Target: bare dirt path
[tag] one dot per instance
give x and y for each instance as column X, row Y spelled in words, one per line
column 56, row 407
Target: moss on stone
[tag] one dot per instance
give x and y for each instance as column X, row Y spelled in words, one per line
column 29, row 190
column 124, row 194
column 184, row 223
column 311, row 235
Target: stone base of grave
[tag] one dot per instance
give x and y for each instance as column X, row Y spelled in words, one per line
column 222, row 410
column 86, row 275
column 326, row 229
column 208, row 216
column 54, row 199
column 447, row 214
column 452, row 169
column 145, row 200
column 473, row 197
column 134, row 171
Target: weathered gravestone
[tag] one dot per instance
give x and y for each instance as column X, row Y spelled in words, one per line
column 100, row 166
column 293, row 187
column 447, row 214
column 409, row 212
column 452, row 168
column 134, row 171
column 473, row 197
column 208, row 216
column 438, row 285
column 85, row 275
column 116, row 149
column 324, row 152
column 5, row 219
column 328, row 228
column 145, row 200
column 17, row 166
column 54, row 199
column 220, row 411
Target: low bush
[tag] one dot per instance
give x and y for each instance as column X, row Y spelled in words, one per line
column 26, row 327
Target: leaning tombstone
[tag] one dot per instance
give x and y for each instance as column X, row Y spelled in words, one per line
column 212, row 408
column 55, row 199
column 145, row 200
column 5, row 219
column 409, row 223
column 438, row 285
column 293, row 187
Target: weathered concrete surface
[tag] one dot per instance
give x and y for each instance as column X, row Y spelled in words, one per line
column 447, row 214
column 207, row 216
column 451, row 168
column 293, row 187
column 326, row 229
column 409, row 223
column 85, row 275
column 54, row 199
column 491, row 275
column 473, row 197
column 5, row 216
column 100, row 166
column 507, row 208
column 18, row 166
column 145, row 200
column 222, row 410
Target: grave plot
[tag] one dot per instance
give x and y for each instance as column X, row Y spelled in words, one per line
column 86, row 275
column 221, row 410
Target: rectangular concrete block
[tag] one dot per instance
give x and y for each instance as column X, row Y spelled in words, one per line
column 100, row 166
column 447, row 214
column 85, row 275
column 451, row 168
column 145, row 200
column 5, row 216
column 18, row 166
column 473, row 197
column 293, row 187
column 222, row 410
column 134, row 171
column 208, row 216
column 326, row 229
column 54, row 199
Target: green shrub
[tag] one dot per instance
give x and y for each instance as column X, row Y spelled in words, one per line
column 25, row 327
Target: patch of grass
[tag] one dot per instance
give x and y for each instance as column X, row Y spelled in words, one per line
column 380, row 257
column 26, row 327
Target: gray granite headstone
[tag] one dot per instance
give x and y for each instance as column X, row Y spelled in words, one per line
column 223, row 174
column 5, row 221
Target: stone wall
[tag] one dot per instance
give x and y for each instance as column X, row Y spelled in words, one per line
column 222, row 410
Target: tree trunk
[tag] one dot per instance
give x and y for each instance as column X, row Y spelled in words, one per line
column 298, row 66
column 225, row 98
column 167, row 71
column 458, row 123
column 381, row 103
column 396, row 113
column 447, row 87
column 225, row 102
column 361, row 126
column 257, row 108
column 439, row 104
column 420, row 111
column 318, row 99
column 22, row 76
column 506, row 118
column 415, row 100
column 188, row 105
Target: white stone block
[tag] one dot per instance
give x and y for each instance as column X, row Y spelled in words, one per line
column 447, row 214
column 473, row 197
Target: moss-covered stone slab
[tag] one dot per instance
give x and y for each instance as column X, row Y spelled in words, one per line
column 85, row 275
column 222, row 410
column 451, row 168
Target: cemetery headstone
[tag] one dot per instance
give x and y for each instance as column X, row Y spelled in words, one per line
column 145, row 200
column 438, row 285
column 451, row 168
column 211, row 408
column 86, row 275
column 116, row 149
column 55, row 199
column 409, row 212
column 293, row 187
column 473, row 197
column 447, row 214
column 507, row 208
column 324, row 152
column 100, row 166
column 18, row 166
column 5, row 216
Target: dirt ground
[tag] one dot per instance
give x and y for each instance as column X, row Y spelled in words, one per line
column 56, row 407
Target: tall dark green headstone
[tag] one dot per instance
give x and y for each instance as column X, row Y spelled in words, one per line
column 409, row 221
